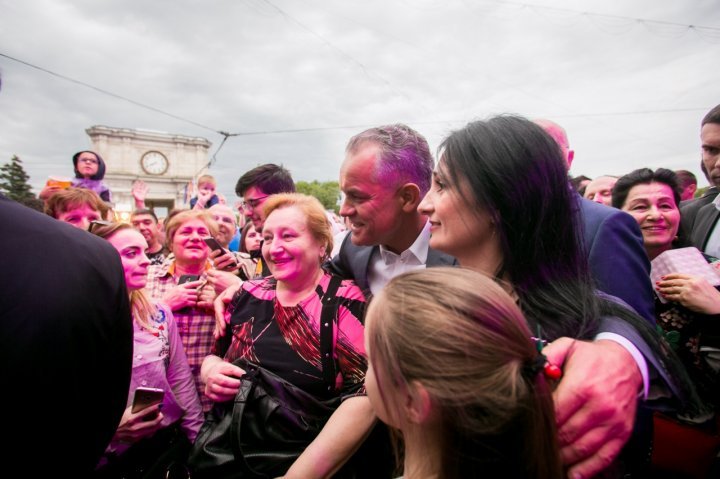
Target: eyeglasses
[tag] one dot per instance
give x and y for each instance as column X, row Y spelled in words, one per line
column 252, row 203
column 88, row 160
column 98, row 223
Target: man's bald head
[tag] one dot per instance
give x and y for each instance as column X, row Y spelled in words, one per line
column 558, row 134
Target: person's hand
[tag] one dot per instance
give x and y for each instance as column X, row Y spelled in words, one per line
column 222, row 318
column 224, row 260
column 223, row 381
column 48, row 191
column 693, row 292
column 206, row 296
column 135, row 426
column 222, row 280
column 203, row 198
column 595, row 402
column 183, row 295
column 139, row 191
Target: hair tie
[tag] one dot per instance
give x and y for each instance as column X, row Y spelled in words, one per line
column 540, row 362
column 533, row 367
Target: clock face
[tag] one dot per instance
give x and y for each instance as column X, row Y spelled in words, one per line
column 154, row 163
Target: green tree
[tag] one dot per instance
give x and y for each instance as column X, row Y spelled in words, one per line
column 14, row 180
column 328, row 192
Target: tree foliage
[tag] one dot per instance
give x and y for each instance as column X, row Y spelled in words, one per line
column 14, row 181
column 328, row 192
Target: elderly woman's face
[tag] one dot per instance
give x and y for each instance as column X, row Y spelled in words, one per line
column 188, row 245
column 653, row 207
column 291, row 251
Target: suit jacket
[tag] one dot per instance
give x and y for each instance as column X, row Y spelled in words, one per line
column 66, row 341
column 689, row 210
column 617, row 256
column 703, row 226
column 352, row 262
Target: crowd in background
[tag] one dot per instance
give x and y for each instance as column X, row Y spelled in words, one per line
column 513, row 329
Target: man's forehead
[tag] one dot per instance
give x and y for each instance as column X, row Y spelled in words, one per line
column 143, row 218
column 358, row 169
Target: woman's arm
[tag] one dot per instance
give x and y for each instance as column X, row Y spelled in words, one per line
column 342, row 435
column 181, row 381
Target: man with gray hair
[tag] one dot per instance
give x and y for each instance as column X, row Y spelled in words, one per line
column 386, row 173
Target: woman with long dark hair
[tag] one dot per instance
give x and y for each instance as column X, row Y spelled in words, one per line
column 501, row 204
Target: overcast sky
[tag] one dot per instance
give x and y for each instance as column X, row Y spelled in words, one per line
column 631, row 94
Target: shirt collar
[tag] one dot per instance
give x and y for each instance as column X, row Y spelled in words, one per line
column 418, row 250
column 716, row 202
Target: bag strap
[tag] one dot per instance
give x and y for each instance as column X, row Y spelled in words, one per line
column 327, row 323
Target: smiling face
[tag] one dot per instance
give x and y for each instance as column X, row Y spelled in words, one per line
column 188, row 244
column 131, row 245
column 372, row 208
column 253, row 200
column 225, row 219
column 653, row 207
column 148, row 228
column 455, row 228
column 292, row 253
column 80, row 216
column 87, row 164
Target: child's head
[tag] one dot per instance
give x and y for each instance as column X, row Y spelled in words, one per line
column 451, row 359
column 88, row 165
column 206, row 182
column 77, row 206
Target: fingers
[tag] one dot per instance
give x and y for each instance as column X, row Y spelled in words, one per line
column 598, row 462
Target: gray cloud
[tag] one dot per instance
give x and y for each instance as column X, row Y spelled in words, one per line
column 252, row 65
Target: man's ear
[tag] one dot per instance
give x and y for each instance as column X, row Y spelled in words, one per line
column 570, row 158
column 410, row 197
column 418, row 403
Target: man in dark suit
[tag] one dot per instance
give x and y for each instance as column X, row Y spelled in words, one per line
column 386, row 172
column 690, row 208
column 614, row 243
column 702, row 231
column 65, row 344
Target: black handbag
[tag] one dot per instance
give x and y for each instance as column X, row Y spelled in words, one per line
column 270, row 422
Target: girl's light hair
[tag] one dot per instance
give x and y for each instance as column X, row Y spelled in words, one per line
column 178, row 219
column 317, row 221
column 463, row 338
column 143, row 310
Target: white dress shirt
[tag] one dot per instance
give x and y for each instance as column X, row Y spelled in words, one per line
column 385, row 265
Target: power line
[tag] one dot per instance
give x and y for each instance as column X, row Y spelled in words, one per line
column 618, row 17
column 109, row 93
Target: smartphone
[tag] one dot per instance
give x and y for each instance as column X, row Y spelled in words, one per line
column 186, row 278
column 213, row 244
column 146, row 397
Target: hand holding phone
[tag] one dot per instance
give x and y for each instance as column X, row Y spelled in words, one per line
column 186, row 278
column 145, row 398
column 229, row 263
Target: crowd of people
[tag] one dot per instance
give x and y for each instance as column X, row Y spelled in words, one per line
column 484, row 315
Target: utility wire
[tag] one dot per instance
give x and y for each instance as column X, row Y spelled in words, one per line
column 114, row 95
column 619, row 17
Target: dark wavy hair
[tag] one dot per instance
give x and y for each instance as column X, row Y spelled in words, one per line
column 645, row 176
column 517, row 174
column 268, row 178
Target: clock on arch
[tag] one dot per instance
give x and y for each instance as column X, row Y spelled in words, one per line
column 154, row 163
